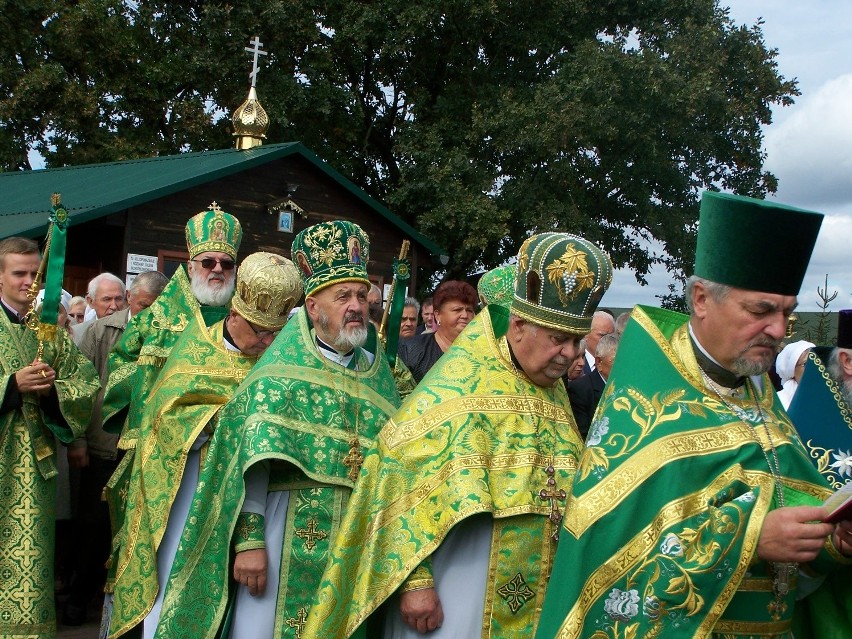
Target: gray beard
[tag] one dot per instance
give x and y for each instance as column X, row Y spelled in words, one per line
column 210, row 296
column 749, row 368
column 846, row 390
column 346, row 339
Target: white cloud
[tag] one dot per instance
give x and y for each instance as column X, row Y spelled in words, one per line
column 808, row 145
column 809, row 150
column 831, row 257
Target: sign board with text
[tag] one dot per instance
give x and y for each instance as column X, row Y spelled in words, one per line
column 141, row 263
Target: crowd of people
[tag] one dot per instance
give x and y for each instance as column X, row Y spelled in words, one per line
column 247, row 461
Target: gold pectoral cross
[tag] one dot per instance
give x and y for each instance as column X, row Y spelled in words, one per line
column 354, row 459
column 554, row 496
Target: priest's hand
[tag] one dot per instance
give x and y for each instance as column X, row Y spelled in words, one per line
column 421, row 609
column 843, row 538
column 250, row 570
column 78, row 456
column 38, row 377
column 793, row 534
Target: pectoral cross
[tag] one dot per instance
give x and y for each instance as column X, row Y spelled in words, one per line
column 255, row 49
column 354, row 459
column 553, row 495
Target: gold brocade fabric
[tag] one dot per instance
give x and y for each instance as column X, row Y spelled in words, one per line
column 661, row 531
column 197, row 380
column 476, row 436
column 140, row 354
column 301, row 412
column 27, row 472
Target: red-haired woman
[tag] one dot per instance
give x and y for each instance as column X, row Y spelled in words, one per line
column 455, row 305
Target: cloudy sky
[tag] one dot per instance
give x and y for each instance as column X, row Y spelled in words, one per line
column 808, row 145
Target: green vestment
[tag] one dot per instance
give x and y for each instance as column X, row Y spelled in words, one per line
column 197, row 379
column 661, row 530
column 823, row 420
column 476, row 436
column 27, row 476
column 136, row 360
column 301, row 412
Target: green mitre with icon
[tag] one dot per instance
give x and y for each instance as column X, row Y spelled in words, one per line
column 497, row 286
column 215, row 231
column 331, row 252
column 561, row 279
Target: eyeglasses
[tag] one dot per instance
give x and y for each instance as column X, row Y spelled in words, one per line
column 260, row 334
column 210, row 263
column 77, row 316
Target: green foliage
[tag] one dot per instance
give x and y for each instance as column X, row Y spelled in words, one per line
column 478, row 121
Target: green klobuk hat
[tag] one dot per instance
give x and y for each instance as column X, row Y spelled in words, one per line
column 497, row 286
column 561, row 280
column 331, row 252
column 213, row 230
column 754, row 244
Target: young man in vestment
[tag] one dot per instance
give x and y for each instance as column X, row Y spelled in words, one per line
column 455, row 517
column 695, row 505
column 202, row 372
column 288, row 449
column 39, row 398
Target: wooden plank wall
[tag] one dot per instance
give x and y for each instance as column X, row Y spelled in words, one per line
column 160, row 224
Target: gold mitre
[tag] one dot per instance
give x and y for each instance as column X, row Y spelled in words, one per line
column 268, row 287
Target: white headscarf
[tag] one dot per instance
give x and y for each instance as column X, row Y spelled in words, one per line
column 785, row 366
column 65, row 299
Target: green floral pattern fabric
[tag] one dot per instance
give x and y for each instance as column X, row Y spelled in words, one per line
column 27, row 476
column 300, row 411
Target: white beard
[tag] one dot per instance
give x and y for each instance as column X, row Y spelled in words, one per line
column 347, row 339
column 208, row 295
column 846, row 389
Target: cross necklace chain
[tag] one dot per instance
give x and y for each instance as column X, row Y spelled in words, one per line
column 783, row 572
column 550, row 492
column 355, row 457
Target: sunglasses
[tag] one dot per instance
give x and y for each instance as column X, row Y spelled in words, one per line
column 210, row 263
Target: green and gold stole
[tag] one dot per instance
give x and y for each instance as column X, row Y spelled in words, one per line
column 300, row 411
column 662, row 526
column 476, row 436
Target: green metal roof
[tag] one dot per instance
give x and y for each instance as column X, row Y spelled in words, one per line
column 91, row 191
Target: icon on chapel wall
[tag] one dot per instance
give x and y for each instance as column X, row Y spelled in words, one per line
column 285, row 221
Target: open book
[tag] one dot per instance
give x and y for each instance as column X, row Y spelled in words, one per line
column 839, row 505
